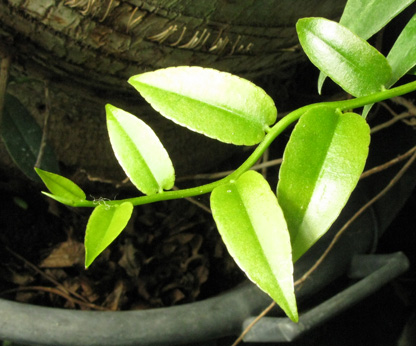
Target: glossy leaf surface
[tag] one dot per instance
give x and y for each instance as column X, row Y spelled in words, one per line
column 402, row 56
column 254, row 230
column 22, row 137
column 216, row 104
column 62, row 189
column 139, row 152
column 365, row 18
column 321, row 166
column 343, row 56
column 104, row 225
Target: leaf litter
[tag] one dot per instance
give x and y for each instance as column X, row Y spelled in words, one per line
column 169, row 254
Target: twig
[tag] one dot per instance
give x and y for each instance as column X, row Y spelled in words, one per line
column 265, row 158
column 298, row 282
column 395, row 179
column 58, row 292
column 194, row 201
column 260, row 316
column 46, row 276
column 42, row 145
column 396, row 118
column 219, row 175
column 388, row 164
column 406, row 103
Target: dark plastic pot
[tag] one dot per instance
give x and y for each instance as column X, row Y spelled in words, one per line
column 209, row 319
column 213, row 318
column 227, row 314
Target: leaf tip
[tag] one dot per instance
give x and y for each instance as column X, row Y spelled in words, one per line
column 89, row 259
column 293, row 314
column 39, row 171
column 87, row 264
column 109, row 109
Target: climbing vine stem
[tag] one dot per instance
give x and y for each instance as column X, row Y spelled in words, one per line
column 275, row 130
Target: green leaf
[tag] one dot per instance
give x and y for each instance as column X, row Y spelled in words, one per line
column 254, row 230
column 321, row 80
column 139, row 152
column 343, row 56
column 63, row 190
column 366, row 110
column 62, row 200
column 365, row 18
column 216, row 104
column 22, row 137
column 105, row 224
column 402, row 56
column 321, row 166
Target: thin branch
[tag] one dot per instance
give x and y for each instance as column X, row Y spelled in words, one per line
column 341, row 231
column 260, row 316
column 388, row 164
column 46, row 276
column 392, row 182
column 219, row 175
column 194, row 201
column 406, row 103
column 58, row 292
column 390, row 122
column 396, row 118
column 265, row 158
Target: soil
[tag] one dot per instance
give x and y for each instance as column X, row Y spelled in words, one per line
column 170, row 253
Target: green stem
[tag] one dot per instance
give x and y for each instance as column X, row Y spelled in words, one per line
column 277, row 129
column 374, row 98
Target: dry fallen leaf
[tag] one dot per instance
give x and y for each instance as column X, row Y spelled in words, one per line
column 128, row 259
column 66, row 254
column 113, row 300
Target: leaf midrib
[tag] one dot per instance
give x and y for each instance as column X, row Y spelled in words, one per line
column 320, row 174
column 140, row 156
column 256, row 120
